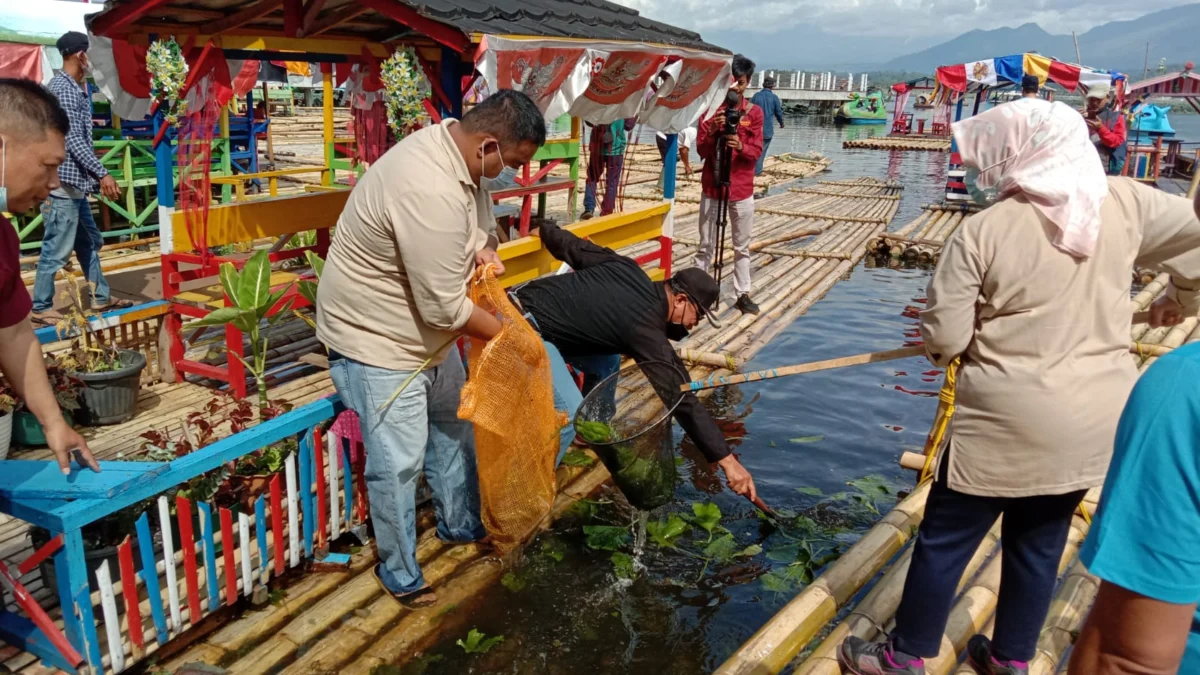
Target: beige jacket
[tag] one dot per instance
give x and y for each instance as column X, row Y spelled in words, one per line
column 394, row 289
column 1045, row 337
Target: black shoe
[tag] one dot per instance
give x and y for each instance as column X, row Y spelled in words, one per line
column 587, row 215
column 746, row 306
column 979, row 653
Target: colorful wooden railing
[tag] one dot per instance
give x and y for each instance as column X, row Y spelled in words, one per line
column 239, row 181
column 223, row 554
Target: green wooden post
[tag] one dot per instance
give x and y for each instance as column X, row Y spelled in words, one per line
column 566, row 150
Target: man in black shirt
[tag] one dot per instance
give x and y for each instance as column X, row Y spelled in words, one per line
column 609, row 307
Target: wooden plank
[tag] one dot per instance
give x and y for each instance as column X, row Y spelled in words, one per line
column 263, row 218
column 150, row 577
column 168, row 544
column 306, row 495
column 293, row 508
column 37, row 479
column 183, row 511
column 335, row 523
column 319, row 485
column 346, row 487
column 247, row 560
column 133, row 611
column 260, row 531
column 210, row 554
column 112, row 624
column 230, row 564
column 277, row 522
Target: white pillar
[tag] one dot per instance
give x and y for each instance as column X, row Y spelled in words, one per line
column 850, row 82
column 863, row 85
column 801, row 80
column 832, row 80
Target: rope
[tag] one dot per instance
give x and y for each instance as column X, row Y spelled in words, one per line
column 933, row 442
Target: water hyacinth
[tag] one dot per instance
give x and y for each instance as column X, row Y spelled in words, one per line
column 168, row 72
column 404, row 89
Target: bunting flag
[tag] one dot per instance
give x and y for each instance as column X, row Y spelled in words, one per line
column 1010, row 69
column 953, row 77
column 618, row 90
column 983, row 72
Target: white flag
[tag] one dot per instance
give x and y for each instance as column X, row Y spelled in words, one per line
column 983, row 72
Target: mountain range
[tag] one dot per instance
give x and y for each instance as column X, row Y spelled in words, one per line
column 1117, row 45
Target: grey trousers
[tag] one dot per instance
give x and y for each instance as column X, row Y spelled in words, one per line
column 741, row 221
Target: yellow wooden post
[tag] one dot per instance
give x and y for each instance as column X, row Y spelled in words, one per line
column 327, row 127
column 274, row 186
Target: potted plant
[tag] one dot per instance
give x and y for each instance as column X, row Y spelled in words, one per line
column 27, row 430
column 8, row 401
column 109, row 377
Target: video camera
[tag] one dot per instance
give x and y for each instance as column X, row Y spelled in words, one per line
column 733, row 113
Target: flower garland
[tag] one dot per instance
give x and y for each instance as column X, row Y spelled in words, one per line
column 404, row 90
column 168, row 72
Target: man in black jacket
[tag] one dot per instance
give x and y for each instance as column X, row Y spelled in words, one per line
column 607, row 308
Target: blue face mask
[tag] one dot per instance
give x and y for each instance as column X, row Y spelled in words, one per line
column 507, row 178
column 984, row 197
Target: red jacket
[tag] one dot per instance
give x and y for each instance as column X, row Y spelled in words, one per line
column 1114, row 136
column 741, row 172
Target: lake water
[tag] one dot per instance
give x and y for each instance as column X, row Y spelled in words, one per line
column 564, row 609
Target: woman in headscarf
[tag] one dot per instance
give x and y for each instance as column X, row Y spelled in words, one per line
column 1032, row 294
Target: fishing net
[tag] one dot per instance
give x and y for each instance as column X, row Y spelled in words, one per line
column 626, row 420
column 509, row 398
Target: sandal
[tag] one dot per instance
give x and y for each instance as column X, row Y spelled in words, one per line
column 47, row 318
column 114, row 303
column 422, row 597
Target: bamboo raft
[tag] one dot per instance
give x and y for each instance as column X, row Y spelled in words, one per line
column 922, row 240
column 903, row 142
column 342, row 623
column 802, row 639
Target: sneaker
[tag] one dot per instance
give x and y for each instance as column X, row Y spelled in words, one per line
column 586, row 215
column 745, row 305
column 979, row 653
column 860, row 657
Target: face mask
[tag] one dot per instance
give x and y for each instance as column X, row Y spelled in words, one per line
column 981, row 196
column 3, row 176
column 676, row 331
column 505, row 179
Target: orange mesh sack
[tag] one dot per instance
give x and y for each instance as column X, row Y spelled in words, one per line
column 509, row 397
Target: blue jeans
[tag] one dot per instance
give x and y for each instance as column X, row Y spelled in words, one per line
column 69, row 226
column 567, row 396
column 758, row 167
column 419, row 430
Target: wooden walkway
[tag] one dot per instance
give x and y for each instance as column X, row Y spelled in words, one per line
column 906, row 142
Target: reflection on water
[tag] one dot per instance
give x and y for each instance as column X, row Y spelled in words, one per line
column 690, row 607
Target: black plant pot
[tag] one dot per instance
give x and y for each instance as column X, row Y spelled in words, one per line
column 111, row 397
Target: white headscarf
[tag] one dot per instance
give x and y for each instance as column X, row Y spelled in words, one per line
column 1043, row 151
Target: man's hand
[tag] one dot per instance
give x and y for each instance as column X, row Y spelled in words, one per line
column 738, row 477
column 62, row 440
column 489, row 256
column 109, row 188
column 1165, row 312
column 733, row 141
column 718, row 121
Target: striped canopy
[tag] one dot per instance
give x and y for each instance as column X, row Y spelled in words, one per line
column 1183, row 84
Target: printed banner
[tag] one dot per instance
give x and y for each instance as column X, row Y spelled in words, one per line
column 692, row 87
column 983, row 72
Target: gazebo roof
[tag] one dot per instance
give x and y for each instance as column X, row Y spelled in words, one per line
column 454, row 23
column 1182, row 84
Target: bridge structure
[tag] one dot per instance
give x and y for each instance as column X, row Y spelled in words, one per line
column 802, row 87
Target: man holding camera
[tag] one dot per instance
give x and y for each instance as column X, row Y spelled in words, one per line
column 730, row 142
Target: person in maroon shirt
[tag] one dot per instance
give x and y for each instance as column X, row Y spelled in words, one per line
column 745, row 147
column 33, row 129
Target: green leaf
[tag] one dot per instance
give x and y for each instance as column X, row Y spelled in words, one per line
column 577, row 458
column 665, row 532
column 811, row 491
column 284, row 311
column 584, row 509
column 749, row 552
column 254, row 286
column 316, row 263
column 778, row 581
column 308, row 290
column 622, row 565
column 707, row 515
column 678, row 461
column 220, row 317
column 229, row 280
column 772, row 444
column 721, row 549
column 606, row 537
column 806, row 439
column 514, row 582
column 270, row 301
column 784, row 554
column 478, row 643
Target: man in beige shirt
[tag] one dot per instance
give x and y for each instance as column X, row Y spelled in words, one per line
column 393, row 300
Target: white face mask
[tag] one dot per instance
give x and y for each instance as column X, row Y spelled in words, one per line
column 3, row 175
column 504, row 180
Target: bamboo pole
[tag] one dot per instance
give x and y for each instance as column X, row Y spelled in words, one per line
column 1067, row 613
column 782, row 638
column 709, row 359
column 829, row 364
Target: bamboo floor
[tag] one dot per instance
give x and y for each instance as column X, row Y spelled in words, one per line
column 925, row 143
column 922, row 239
column 802, row 639
column 342, row 623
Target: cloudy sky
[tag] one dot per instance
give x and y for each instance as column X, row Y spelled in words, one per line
column 915, row 24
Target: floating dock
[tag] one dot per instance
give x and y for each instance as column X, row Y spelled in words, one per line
column 902, row 142
column 922, row 239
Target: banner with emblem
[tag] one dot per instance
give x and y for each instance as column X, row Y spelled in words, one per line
column 982, row 72
column 601, row 82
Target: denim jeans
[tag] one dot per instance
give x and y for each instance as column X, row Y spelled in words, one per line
column 613, row 165
column 567, row 396
column 419, row 430
column 758, row 167
column 69, row 226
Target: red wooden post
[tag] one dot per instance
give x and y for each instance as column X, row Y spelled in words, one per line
column 183, row 510
column 322, row 485
column 277, row 522
column 129, row 589
column 227, row 540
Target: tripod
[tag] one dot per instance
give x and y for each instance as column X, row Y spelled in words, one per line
column 724, row 158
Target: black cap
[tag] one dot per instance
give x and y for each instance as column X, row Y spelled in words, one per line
column 1030, row 83
column 700, row 289
column 768, row 83
column 72, row 43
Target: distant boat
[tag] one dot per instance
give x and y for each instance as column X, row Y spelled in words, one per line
column 1149, row 122
column 923, row 102
column 863, row 110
